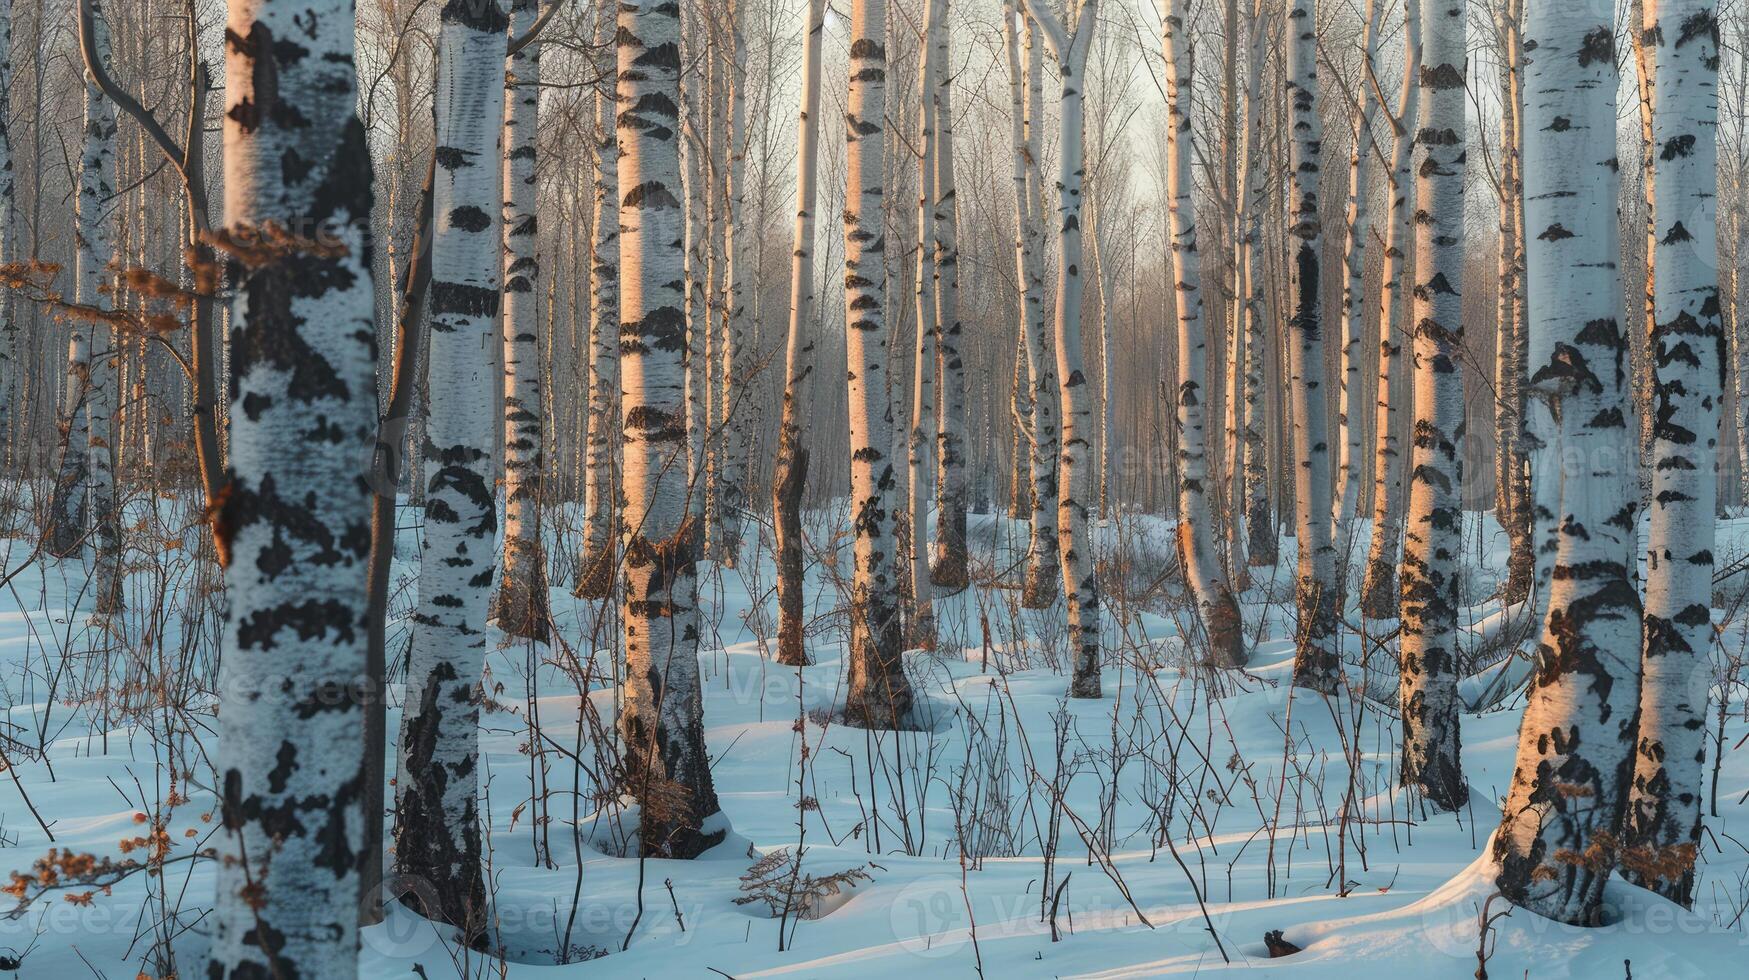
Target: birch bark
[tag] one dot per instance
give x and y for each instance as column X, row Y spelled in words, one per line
column 1075, row 483
column 948, row 565
column 597, row 566
column 662, row 719
column 94, row 250
column 1043, row 580
column 436, row 799
column 294, row 530
column 1355, row 236
column 1433, row 537
column 923, row 394
column 791, row 474
column 1575, row 756
column 521, row 604
column 879, row 694
column 1316, row 661
column 1662, row 832
column 1378, row 587
column 1216, row 606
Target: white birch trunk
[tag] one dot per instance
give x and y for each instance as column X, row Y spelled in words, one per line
column 1514, row 504
column 1043, row 579
column 948, row 566
column 293, row 533
column 693, row 171
column 596, row 564
column 438, row 837
column 1075, row 482
column 1433, row 536
column 1348, row 417
column 790, row 477
column 923, row 398
column 1378, row 587
column 9, row 362
column 662, row 718
column 1216, row 606
column 878, row 693
column 1316, row 661
column 1262, row 543
column 522, row 595
column 94, row 250
column 737, row 337
column 1662, row 832
column 1575, row 755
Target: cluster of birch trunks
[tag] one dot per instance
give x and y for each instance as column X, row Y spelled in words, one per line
column 299, row 454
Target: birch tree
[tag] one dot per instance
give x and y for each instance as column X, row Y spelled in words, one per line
column 878, row 694
column 1348, row 418
column 94, row 249
column 791, row 473
column 737, row 340
column 1378, row 587
column 294, row 531
column 1216, row 606
column 522, row 594
column 438, row 836
column 597, row 564
column 1261, row 544
column 1043, row 575
column 662, row 720
column 1513, row 501
column 1662, row 832
column 1576, row 740
column 1075, row 478
column 9, row 359
column 929, row 285
column 948, row 564
column 1433, row 538
column 1316, row 661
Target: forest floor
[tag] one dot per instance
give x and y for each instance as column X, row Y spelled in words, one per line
column 1162, row 829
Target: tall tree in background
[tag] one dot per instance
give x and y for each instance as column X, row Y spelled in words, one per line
column 1662, row 832
column 923, row 373
column 1216, row 606
column 730, row 505
column 94, row 251
column 294, row 534
column 948, row 567
column 1378, row 586
column 522, row 594
column 1262, row 542
column 1075, row 480
column 1043, row 578
column 1513, row 500
column 791, row 474
column 879, row 694
column 438, row 834
column 662, row 720
column 597, row 563
column 1358, row 230
column 1575, row 751
column 1433, row 537
column 9, row 359
column 1316, row 663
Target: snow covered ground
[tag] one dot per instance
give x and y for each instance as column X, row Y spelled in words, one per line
column 1169, row 825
